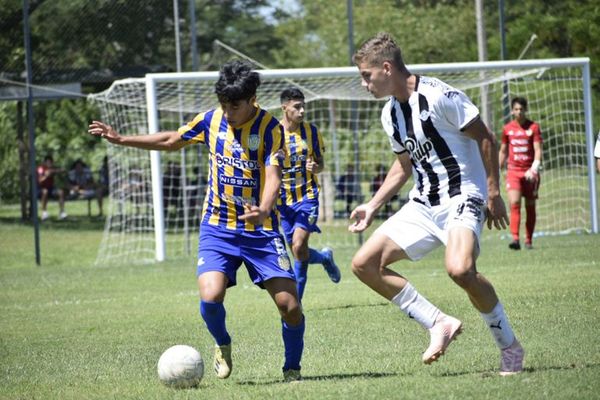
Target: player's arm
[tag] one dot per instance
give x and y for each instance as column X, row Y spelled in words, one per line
column 488, row 149
column 503, row 155
column 256, row 214
column 396, row 177
column 534, row 170
column 169, row 140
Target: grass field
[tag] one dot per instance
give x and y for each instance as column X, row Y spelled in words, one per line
column 71, row 330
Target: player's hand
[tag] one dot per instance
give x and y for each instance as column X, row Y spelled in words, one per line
column 531, row 175
column 311, row 165
column 496, row 213
column 253, row 214
column 98, row 128
column 362, row 216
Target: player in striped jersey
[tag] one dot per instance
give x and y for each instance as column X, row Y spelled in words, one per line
column 239, row 222
column 299, row 199
column 440, row 140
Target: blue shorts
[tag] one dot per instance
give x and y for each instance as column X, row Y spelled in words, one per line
column 303, row 214
column 263, row 253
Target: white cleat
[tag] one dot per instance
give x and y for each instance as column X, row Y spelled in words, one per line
column 511, row 362
column 444, row 331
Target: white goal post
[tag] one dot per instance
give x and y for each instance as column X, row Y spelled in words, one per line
column 155, row 198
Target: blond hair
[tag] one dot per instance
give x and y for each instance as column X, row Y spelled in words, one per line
column 379, row 49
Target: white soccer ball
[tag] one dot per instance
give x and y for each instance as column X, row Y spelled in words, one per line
column 180, row 367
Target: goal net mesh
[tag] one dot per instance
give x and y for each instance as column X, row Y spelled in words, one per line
column 357, row 150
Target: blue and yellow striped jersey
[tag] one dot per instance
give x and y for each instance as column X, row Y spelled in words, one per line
column 237, row 161
column 297, row 183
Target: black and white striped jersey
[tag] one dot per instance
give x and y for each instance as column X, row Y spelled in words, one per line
column 446, row 162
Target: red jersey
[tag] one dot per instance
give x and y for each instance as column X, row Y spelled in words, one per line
column 48, row 183
column 519, row 139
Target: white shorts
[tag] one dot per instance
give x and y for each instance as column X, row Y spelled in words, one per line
column 418, row 229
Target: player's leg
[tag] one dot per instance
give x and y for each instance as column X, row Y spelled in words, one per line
column 461, row 254
column 212, row 286
column 283, row 293
column 406, row 235
column 514, row 200
column 514, row 181
column 269, row 266
column 530, row 194
column 306, row 215
column 61, row 204
column 218, row 260
column 530, row 222
column 300, row 252
column 44, row 193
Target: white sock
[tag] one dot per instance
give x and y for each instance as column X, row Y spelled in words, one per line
column 499, row 326
column 416, row 306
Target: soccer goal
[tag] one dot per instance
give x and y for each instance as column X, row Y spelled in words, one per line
column 156, row 198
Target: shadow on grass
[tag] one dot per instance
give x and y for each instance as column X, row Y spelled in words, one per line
column 495, row 373
column 72, row 222
column 368, row 375
column 347, row 306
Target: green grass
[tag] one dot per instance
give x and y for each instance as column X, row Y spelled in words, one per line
column 71, row 330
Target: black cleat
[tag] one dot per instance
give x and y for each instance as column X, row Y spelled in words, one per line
column 514, row 245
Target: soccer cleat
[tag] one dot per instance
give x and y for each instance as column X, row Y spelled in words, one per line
column 444, row 331
column 330, row 267
column 223, row 364
column 292, row 375
column 62, row 215
column 514, row 245
column 44, row 215
column 528, row 246
column 511, row 361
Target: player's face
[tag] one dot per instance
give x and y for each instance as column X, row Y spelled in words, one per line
column 376, row 79
column 239, row 112
column 518, row 112
column 294, row 111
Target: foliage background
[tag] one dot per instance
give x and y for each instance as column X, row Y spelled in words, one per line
column 97, row 42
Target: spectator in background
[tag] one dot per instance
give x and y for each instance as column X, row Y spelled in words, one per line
column 347, row 188
column 82, row 184
column 104, row 179
column 46, row 172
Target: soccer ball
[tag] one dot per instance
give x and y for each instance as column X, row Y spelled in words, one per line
column 180, row 367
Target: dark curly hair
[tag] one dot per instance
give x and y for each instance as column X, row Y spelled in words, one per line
column 237, row 81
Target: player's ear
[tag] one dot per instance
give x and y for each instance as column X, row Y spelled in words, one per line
column 387, row 68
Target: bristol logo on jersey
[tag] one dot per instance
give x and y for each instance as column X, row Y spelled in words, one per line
column 419, row 150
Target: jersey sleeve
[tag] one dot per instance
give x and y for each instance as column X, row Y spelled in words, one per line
column 196, row 130
column 458, row 108
column 318, row 147
column 390, row 126
column 275, row 153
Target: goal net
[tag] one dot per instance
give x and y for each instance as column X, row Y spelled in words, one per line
column 156, row 198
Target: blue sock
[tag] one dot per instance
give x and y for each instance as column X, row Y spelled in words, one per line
column 301, row 272
column 315, row 257
column 293, row 343
column 214, row 317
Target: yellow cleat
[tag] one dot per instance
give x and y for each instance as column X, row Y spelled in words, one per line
column 223, row 364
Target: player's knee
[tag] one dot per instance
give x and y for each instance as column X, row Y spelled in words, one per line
column 362, row 265
column 461, row 271
column 290, row 311
column 300, row 251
